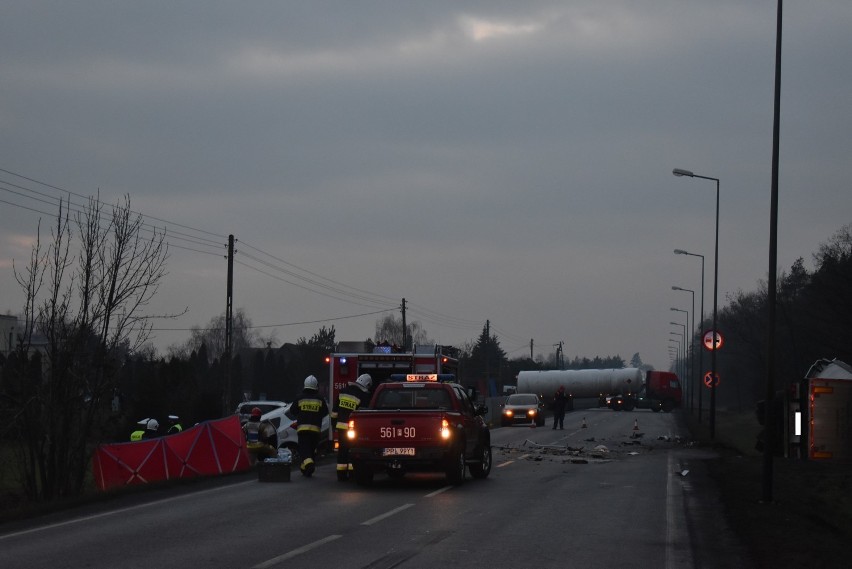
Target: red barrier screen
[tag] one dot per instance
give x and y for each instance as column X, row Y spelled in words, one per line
column 207, row 449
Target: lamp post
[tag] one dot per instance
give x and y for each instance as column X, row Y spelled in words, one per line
column 683, row 360
column 677, row 342
column 690, row 360
column 678, row 172
column 700, row 331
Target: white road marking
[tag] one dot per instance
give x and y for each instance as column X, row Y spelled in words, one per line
column 123, row 510
column 439, row 491
column 677, row 538
column 295, row 552
column 386, row 515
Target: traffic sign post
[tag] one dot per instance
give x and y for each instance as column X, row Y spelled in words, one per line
column 709, row 337
column 708, row 380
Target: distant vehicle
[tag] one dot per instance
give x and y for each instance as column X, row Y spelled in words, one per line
column 622, row 389
column 420, row 423
column 279, row 415
column 522, row 408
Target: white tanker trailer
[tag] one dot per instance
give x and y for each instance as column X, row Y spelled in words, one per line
column 629, row 383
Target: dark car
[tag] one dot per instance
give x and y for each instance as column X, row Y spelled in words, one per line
column 522, row 408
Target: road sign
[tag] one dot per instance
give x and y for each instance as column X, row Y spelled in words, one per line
column 709, row 337
column 708, row 379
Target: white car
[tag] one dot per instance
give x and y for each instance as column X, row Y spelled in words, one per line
column 278, row 414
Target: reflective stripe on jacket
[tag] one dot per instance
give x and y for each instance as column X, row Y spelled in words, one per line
column 350, row 398
column 309, row 409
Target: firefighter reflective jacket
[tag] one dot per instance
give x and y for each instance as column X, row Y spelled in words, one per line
column 309, row 409
column 349, row 399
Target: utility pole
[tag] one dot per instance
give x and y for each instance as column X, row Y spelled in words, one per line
column 531, row 349
column 229, row 327
column 404, row 329
column 487, row 349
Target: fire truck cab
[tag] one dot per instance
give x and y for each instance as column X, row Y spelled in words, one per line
column 352, row 359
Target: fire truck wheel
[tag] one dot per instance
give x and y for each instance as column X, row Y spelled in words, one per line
column 456, row 466
column 482, row 468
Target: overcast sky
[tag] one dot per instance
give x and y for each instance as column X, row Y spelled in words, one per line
column 502, row 161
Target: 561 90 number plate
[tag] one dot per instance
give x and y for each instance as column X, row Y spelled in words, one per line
column 407, row 451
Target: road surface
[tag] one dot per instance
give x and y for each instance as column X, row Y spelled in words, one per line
column 610, row 490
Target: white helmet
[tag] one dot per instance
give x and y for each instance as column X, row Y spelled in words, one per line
column 311, row 382
column 153, row 425
column 365, row 381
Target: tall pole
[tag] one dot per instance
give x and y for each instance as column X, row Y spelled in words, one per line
column 404, row 329
column 229, row 327
column 700, row 370
column 679, row 172
column 715, row 321
column 773, row 267
column 690, row 359
column 682, row 372
column 678, row 342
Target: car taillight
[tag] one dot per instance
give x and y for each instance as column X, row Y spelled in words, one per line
column 350, row 432
column 445, row 429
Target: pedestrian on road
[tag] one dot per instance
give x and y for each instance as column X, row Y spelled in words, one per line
column 560, row 401
column 310, row 409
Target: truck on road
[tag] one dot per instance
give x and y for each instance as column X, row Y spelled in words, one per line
column 420, row 423
column 627, row 388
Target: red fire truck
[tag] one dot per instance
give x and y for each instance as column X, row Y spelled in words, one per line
column 352, row 359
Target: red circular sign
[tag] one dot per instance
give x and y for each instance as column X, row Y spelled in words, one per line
column 708, row 379
column 708, row 339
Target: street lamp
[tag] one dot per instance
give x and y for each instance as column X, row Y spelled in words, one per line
column 678, row 172
column 700, row 330
column 683, row 360
column 677, row 342
column 690, row 359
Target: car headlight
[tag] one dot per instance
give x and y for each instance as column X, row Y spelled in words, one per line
column 508, row 412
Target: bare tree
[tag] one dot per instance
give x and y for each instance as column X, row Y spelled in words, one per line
column 90, row 315
column 245, row 335
column 389, row 329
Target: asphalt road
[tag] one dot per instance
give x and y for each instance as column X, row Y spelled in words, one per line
column 626, row 490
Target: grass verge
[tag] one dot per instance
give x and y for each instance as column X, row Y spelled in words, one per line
column 808, row 522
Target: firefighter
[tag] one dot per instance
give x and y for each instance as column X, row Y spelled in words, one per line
column 139, row 433
column 310, row 409
column 261, row 437
column 174, row 425
column 356, row 394
column 152, row 430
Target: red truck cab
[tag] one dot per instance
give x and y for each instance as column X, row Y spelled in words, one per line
column 420, row 423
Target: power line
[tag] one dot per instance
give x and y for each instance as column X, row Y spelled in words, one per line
column 316, row 283
column 275, row 325
column 318, row 276
column 45, row 184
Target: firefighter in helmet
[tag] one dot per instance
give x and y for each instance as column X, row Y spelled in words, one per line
column 174, row 425
column 309, row 409
column 152, row 430
column 356, row 394
column 261, row 437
